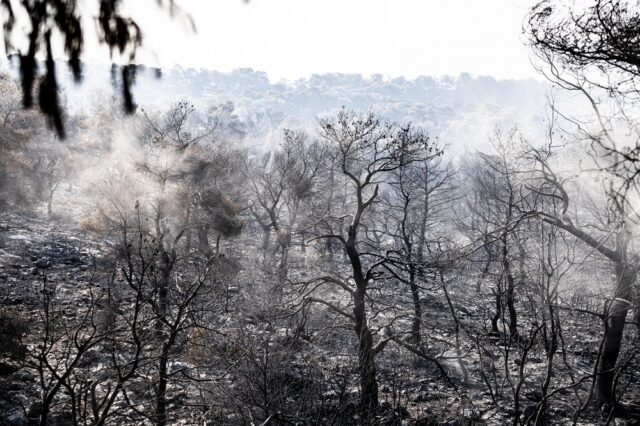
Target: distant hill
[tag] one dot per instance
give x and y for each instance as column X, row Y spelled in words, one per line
column 461, row 111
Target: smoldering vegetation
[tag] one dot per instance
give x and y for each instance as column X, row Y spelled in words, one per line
column 157, row 268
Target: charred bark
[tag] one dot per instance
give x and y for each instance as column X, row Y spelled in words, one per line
column 366, row 355
column 616, row 311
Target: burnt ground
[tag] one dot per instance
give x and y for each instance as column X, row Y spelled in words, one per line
column 466, row 383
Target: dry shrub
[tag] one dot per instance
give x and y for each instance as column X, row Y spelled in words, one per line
column 94, row 223
column 197, row 351
column 13, row 326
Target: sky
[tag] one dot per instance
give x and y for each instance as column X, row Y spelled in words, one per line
column 291, row 39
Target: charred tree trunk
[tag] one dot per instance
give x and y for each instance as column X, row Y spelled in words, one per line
column 110, row 308
column 266, row 239
column 513, row 316
column 417, row 308
column 510, row 290
column 550, row 335
column 616, row 316
column 366, row 354
column 407, row 241
column 168, row 262
column 485, row 270
column 283, row 270
column 498, row 312
column 163, row 376
column 161, row 397
column 187, row 234
column 366, row 359
column 203, row 240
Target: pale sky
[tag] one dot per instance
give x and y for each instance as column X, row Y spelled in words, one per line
column 291, row 39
